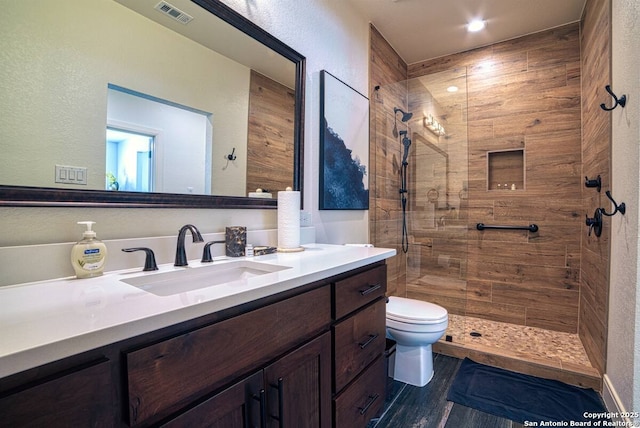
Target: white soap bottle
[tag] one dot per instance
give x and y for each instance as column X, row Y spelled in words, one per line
column 89, row 255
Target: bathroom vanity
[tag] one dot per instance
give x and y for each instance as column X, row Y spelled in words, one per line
column 299, row 346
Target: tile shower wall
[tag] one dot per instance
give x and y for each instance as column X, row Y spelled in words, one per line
column 385, row 221
column 596, row 160
column 523, row 94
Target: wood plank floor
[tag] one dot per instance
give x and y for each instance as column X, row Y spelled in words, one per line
column 408, row 406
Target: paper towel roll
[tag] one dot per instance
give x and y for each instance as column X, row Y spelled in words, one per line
column 288, row 220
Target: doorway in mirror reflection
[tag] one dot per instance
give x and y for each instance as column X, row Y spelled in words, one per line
column 155, row 145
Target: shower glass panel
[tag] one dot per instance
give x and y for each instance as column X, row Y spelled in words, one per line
column 434, row 266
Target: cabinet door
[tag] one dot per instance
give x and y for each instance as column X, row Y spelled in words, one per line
column 239, row 406
column 168, row 376
column 299, row 387
column 81, row 398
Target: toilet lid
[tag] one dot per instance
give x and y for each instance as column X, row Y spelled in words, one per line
column 415, row 311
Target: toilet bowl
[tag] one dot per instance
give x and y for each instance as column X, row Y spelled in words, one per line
column 414, row 325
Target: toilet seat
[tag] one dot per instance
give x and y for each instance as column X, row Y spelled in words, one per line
column 410, row 311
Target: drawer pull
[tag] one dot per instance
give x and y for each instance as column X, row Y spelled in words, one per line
column 262, row 398
column 280, row 417
column 370, row 289
column 370, row 401
column 370, row 339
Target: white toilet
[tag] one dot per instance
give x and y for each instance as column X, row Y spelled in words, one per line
column 415, row 325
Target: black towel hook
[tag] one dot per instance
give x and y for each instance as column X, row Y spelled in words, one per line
column 594, row 182
column 232, row 156
column 619, row 101
column 618, row 208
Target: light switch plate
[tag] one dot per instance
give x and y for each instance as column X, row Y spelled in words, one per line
column 71, row 174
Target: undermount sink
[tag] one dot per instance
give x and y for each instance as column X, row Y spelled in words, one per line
column 189, row 279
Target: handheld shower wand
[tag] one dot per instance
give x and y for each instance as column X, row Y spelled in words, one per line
column 406, row 142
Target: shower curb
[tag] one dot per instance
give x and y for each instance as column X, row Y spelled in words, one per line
column 585, row 377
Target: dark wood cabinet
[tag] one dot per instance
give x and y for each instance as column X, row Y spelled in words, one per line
column 81, row 397
column 359, row 340
column 167, row 376
column 299, row 387
column 358, row 332
column 353, row 292
column 238, row 406
column 307, row 357
column 294, row 391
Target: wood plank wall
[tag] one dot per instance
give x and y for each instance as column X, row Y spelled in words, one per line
column 596, row 149
column 531, row 96
column 523, row 94
column 388, row 72
column 270, row 135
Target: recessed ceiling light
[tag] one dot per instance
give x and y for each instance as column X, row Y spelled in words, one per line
column 475, row 25
column 452, row 89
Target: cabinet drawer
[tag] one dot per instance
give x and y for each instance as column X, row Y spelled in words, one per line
column 358, row 340
column 363, row 399
column 166, row 376
column 82, row 398
column 358, row 290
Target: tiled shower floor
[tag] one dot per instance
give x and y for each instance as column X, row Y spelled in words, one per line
column 528, row 349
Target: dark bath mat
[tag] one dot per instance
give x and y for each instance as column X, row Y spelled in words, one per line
column 521, row 397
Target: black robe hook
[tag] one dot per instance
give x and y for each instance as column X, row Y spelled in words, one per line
column 622, row 208
column 619, row 101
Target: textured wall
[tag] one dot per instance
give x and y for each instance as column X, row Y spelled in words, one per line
column 57, row 60
column 333, row 37
column 623, row 339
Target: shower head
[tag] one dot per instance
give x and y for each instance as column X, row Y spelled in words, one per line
column 405, row 116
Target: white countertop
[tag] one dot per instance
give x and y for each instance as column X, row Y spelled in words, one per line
column 45, row 321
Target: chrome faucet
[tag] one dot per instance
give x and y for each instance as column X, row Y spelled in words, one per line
column 181, row 256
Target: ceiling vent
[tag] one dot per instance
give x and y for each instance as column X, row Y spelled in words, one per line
column 173, row 12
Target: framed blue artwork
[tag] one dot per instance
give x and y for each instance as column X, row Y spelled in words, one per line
column 344, row 146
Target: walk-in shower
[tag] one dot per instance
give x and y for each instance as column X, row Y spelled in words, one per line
column 425, row 219
column 442, row 154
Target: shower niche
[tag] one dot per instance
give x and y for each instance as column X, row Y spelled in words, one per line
column 505, row 170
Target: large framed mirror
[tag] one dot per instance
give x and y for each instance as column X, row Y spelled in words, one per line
column 78, row 78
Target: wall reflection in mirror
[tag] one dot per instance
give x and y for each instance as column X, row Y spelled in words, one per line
column 69, row 66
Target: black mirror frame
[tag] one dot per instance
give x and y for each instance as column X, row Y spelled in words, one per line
column 25, row 196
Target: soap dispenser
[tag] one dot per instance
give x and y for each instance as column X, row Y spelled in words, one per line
column 89, row 255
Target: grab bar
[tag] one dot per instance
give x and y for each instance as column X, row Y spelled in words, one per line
column 530, row 228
